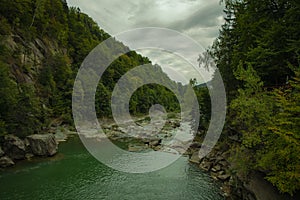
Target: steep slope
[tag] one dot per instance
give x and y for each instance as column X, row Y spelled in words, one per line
column 43, row 43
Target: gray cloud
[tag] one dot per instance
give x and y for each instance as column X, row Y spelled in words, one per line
column 199, row 19
column 208, row 16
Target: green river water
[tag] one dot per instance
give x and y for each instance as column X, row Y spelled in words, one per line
column 74, row 174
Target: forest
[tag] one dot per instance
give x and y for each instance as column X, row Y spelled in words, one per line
column 43, row 43
column 258, row 55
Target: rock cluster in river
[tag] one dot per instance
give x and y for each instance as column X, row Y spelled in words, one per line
column 13, row 148
column 42, row 145
column 142, row 136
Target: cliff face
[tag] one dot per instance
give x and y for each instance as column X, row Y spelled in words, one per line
column 30, row 88
column 26, row 66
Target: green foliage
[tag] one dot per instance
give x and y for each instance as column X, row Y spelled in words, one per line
column 257, row 45
column 261, row 33
column 8, row 100
column 17, row 12
column 148, row 95
column 203, row 97
column 283, row 143
column 4, row 26
column 269, row 123
column 26, row 116
column 40, row 90
column 103, row 101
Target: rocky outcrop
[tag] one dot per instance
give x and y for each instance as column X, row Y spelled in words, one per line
column 262, row 189
column 235, row 186
column 217, row 165
column 43, row 145
column 6, row 162
column 14, row 147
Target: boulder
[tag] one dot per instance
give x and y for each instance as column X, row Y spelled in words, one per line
column 224, row 177
column 220, row 158
column 60, row 135
column 14, row 147
column 6, row 162
column 43, row 145
column 28, row 156
column 135, row 148
column 155, row 143
column 216, row 168
column 206, row 165
column 195, row 158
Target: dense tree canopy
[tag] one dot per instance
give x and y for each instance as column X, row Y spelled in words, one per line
column 40, row 86
column 257, row 54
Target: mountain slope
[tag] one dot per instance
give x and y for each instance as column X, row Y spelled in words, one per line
column 43, row 43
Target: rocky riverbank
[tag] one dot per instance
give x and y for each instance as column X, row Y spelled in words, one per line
column 234, row 186
column 217, row 164
column 13, row 149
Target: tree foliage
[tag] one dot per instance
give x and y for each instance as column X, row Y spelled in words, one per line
column 257, row 54
column 36, row 90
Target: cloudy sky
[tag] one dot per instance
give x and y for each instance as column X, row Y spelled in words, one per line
column 198, row 19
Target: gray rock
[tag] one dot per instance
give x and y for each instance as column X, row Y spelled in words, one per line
column 224, row 177
column 43, row 145
column 135, row 148
column 205, row 165
column 222, row 172
column 1, row 152
column 195, row 158
column 6, row 162
column 60, row 135
column 155, row 143
column 220, row 158
column 14, row 147
column 29, row 156
column 157, row 148
column 216, row 168
column 214, row 175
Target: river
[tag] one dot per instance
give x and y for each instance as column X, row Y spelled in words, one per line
column 74, row 174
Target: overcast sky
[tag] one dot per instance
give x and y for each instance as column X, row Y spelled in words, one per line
column 199, row 19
